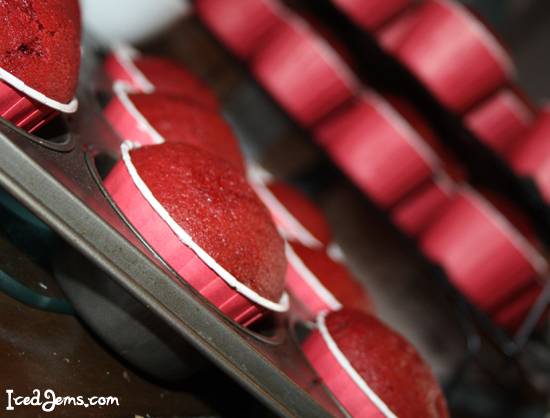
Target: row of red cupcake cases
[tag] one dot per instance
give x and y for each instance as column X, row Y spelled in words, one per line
column 418, row 181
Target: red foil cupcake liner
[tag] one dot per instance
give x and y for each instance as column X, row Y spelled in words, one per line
column 127, row 121
column 306, row 287
column 501, row 119
column 414, row 214
column 450, row 51
column 321, row 283
column 177, row 248
column 244, row 26
column 303, row 73
column 482, row 253
column 26, row 107
column 373, row 13
column 511, row 316
column 530, row 156
column 316, row 236
column 377, row 149
column 119, row 65
column 340, row 377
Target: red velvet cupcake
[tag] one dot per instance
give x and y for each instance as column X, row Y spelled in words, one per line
column 147, row 74
column 321, row 284
column 372, row 370
column 296, row 216
column 73, row 7
column 203, row 219
column 155, row 118
column 40, row 64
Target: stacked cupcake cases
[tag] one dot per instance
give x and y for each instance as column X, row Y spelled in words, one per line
column 380, row 149
column 243, row 25
column 501, row 119
column 484, row 255
column 449, row 50
column 530, row 155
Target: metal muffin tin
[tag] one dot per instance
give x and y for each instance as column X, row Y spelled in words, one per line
column 54, row 174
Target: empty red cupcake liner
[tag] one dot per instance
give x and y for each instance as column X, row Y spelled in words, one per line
column 178, row 249
column 450, row 51
column 306, row 287
column 243, row 25
column 377, row 149
column 303, row 73
column 340, row 377
column 483, row 255
column 127, row 121
column 512, row 316
column 119, row 66
column 414, row 213
column 371, row 14
column 287, row 224
column 530, row 155
column 26, row 107
column 500, row 120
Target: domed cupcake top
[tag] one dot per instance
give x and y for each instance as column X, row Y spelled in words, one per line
column 40, row 46
column 177, row 120
column 215, row 206
column 388, row 364
column 170, row 77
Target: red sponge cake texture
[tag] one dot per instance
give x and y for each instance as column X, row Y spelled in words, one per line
column 391, row 366
column 214, row 204
column 170, row 77
column 178, row 120
column 40, row 46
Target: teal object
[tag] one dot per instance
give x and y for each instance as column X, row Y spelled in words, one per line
column 29, row 297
